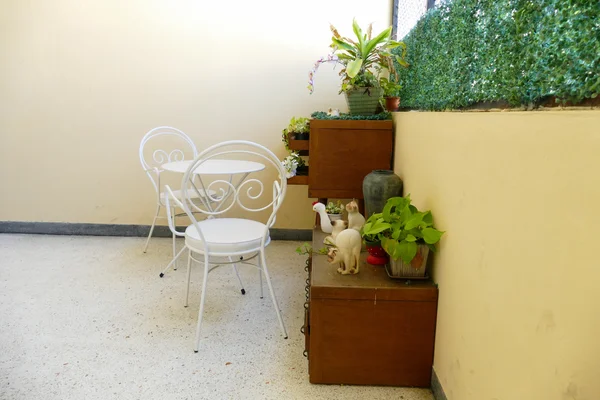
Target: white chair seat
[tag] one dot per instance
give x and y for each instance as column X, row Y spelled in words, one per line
column 227, row 235
column 191, row 194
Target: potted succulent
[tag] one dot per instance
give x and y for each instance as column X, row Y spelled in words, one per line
column 297, row 129
column 334, row 210
column 362, row 58
column 391, row 93
column 407, row 235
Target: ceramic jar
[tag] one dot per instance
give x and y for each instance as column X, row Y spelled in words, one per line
column 378, row 187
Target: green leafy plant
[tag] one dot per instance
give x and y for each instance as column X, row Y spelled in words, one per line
column 401, row 227
column 323, row 115
column 296, row 125
column 306, row 248
column 390, row 88
column 291, row 164
column 363, row 58
column 334, row 208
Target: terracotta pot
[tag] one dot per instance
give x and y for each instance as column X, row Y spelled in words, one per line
column 392, row 103
column 377, row 255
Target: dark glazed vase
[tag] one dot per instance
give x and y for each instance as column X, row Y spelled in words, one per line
column 378, row 187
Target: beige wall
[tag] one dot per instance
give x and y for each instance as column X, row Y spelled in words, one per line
column 518, row 195
column 82, row 81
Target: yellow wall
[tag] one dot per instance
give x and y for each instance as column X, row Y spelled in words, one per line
column 518, row 195
column 82, row 81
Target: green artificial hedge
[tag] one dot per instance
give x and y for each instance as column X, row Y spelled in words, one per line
column 521, row 52
column 380, row 116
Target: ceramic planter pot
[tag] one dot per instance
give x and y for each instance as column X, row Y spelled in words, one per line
column 362, row 100
column 302, row 170
column 377, row 255
column 301, row 135
column 334, row 217
column 415, row 269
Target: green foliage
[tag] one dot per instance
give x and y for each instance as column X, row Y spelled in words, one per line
column 306, row 248
column 516, row 51
column 365, row 55
column 334, row 208
column 380, row 116
column 400, row 227
column 390, row 88
column 297, row 125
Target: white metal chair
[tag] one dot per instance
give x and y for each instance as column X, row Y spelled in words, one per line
column 178, row 144
column 219, row 239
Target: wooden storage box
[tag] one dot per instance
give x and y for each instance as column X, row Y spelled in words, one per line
column 343, row 152
column 366, row 328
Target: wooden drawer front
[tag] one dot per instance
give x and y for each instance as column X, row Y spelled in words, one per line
column 341, row 158
column 363, row 342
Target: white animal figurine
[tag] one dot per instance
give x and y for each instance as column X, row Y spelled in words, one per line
column 347, row 252
column 325, row 222
column 333, row 112
column 355, row 219
column 338, row 226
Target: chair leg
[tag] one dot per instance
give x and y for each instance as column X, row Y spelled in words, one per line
column 174, row 237
column 202, row 298
column 152, row 228
column 172, row 262
column 189, row 273
column 263, row 265
column 260, row 282
column 237, row 273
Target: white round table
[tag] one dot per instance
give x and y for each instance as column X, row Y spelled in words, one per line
column 215, row 167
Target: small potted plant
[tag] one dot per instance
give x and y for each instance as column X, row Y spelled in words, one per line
column 372, row 232
column 406, row 235
column 298, row 128
column 334, row 210
column 294, row 165
column 362, row 59
column 391, row 94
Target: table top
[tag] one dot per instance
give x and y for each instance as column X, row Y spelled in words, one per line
column 216, row 167
column 371, row 282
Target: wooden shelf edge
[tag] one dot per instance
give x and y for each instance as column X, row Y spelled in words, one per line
column 298, row 144
column 298, row 180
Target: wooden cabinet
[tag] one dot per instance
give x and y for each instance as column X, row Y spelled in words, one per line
column 341, row 153
column 367, row 328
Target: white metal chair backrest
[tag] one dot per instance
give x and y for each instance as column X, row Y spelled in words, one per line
column 152, row 165
column 243, row 190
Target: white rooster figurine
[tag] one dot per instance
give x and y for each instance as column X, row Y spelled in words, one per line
column 325, row 222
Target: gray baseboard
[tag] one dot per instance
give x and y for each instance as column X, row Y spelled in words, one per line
column 66, row 228
column 436, row 387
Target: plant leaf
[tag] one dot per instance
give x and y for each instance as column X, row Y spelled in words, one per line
column 406, row 251
column 343, row 45
column 432, row 235
column 359, row 34
column 353, row 67
column 413, row 221
column 379, row 39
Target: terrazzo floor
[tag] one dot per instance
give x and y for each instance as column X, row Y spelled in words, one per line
column 88, row 318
